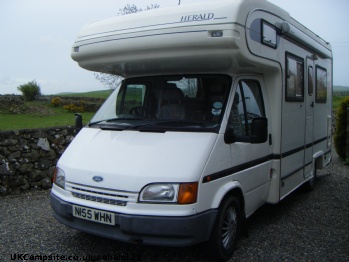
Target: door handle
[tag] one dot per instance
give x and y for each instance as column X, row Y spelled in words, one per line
column 312, row 104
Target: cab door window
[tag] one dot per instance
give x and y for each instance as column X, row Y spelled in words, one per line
column 248, row 104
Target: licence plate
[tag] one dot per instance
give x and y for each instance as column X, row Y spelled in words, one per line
column 94, row 215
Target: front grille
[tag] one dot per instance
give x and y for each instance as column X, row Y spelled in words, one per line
column 100, row 199
column 101, row 195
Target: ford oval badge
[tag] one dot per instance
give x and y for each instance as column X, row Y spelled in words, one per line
column 97, row 178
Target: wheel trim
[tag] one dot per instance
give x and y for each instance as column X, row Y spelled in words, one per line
column 229, row 227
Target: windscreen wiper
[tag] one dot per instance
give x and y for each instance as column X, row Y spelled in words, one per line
column 180, row 122
column 112, row 120
column 99, row 121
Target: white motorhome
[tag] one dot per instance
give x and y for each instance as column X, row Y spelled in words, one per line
column 225, row 106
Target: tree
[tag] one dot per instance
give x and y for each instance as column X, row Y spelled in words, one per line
column 130, row 9
column 30, row 90
column 112, row 81
column 340, row 134
column 108, row 80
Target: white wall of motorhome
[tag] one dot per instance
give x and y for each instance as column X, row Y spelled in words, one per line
column 304, row 123
column 304, row 127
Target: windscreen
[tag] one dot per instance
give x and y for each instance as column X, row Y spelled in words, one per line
column 166, row 103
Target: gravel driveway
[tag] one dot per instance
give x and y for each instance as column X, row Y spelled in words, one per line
column 303, row 227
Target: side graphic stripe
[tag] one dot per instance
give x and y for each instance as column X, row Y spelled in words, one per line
column 236, row 169
column 239, row 168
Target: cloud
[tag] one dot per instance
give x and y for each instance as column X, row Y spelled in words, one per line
column 54, row 40
column 8, row 85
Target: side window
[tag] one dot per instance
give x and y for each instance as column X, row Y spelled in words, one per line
column 248, row 104
column 294, row 78
column 268, row 34
column 321, row 85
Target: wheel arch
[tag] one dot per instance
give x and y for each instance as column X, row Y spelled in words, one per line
column 232, row 188
column 224, row 237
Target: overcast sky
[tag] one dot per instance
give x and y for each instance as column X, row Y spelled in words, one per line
column 37, row 35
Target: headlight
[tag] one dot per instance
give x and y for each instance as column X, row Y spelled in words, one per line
column 59, row 178
column 184, row 193
column 160, row 193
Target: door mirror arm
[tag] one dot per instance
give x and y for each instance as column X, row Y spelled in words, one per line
column 229, row 136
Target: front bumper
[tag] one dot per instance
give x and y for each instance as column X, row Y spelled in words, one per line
column 152, row 230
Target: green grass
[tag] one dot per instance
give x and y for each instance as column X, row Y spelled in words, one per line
column 43, row 114
column 31, row 121
column 40, row 115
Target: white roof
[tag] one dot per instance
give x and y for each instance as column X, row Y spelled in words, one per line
column 168, row 40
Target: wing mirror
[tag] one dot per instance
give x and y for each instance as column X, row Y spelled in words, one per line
column 259, row 130
column 78, row 123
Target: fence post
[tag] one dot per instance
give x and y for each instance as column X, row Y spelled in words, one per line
column 347, row 140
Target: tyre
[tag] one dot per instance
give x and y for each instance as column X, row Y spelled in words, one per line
column 226, row 230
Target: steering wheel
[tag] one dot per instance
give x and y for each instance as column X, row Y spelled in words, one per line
column 248, row 115
column 137, row 110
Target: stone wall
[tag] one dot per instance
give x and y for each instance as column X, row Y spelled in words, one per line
column 11, row 104
column 28, row 157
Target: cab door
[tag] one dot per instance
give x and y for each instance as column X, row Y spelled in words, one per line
column 251, row 161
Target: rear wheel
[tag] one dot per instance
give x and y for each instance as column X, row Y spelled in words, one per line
column 226, row 230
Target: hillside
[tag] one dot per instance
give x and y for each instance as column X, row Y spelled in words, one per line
column 95, row 94
column 340, row 88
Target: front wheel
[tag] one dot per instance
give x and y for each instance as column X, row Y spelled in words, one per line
column 226, row 230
